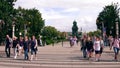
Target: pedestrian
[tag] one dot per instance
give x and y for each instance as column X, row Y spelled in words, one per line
column 15, row 42
column 26, row 48
column 20, row 47
column 33, row 47
column 101, row 46
column 40, row 40
column 116, row 48
column 71, row 41
column 111, row 40
column 83, row 46
column 75, row 40
column 89, row 46
column 8, row 45
column 97, row 49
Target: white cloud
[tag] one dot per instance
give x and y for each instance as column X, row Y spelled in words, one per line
column 51, row 14
column 61, row 13
column 71, row 10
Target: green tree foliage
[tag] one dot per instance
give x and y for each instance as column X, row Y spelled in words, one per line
column 6, row 14
column 63, row 35
column 107, row 18
column 37, row 23
column 49, row 34
column 31, row 20
column 94, row 33
column 75, row 29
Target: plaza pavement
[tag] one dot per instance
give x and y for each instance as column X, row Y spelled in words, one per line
column 59, row 57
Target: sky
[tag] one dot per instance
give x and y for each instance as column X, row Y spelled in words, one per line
column 61, row 13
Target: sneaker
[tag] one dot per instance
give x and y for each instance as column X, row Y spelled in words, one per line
column 15, row 57
column 96, row 60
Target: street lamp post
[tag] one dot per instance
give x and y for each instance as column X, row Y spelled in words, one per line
column 103, row 30
column 25, row 30
column 13, row 28
column 117, row 28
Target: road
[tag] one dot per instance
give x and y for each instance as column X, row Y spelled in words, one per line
column 59, row 57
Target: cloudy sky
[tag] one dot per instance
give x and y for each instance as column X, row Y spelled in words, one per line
column 62, row 13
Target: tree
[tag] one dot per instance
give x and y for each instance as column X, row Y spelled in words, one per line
column 6, row 15
column 94, row 33
column 49, row 34
column 75, row 29
column 106, row 20
column 31, row 20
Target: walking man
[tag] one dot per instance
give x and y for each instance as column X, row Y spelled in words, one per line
column 8, row 46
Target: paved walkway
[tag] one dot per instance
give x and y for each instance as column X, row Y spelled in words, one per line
column 59, row 57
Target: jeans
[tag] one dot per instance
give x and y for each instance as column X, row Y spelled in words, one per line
column 84, row 53
column 116, row 50
column 15, row 52
column 7, row 50
column 26, row 57
column 33, row 51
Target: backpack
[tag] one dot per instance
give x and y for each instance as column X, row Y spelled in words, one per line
column 10, row 41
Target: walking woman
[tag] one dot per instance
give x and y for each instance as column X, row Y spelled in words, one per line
column 83, row 47
column 33, row 47
column 116, row 48
column 15, row 42
column 26, row 47
column 71, row 41
column 97, row 49
column 89, row 46
column 20, row 45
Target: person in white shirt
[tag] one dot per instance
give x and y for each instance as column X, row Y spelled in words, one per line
column 75, row 40
column 97, row 49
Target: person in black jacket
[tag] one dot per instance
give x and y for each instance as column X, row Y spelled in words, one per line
column 8, row 45
column 83, row 46
column 89, row 46
column 33, row 47
column 15, row 42
column 20, row 47
column 26, row 48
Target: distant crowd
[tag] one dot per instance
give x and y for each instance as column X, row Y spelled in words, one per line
column 96, row 44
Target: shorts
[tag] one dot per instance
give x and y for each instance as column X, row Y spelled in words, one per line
column 101, row 50
column 33, row 51
column 116, row 50
column 97, row 52
column 90, row 50
column 20, row 47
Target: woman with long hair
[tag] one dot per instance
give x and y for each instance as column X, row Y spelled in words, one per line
column 89, row 46
column 116, row 48
column 33, row 47
column 97, row 49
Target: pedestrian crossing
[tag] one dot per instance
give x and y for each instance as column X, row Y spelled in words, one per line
column 59, row 57
column 40, row 63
